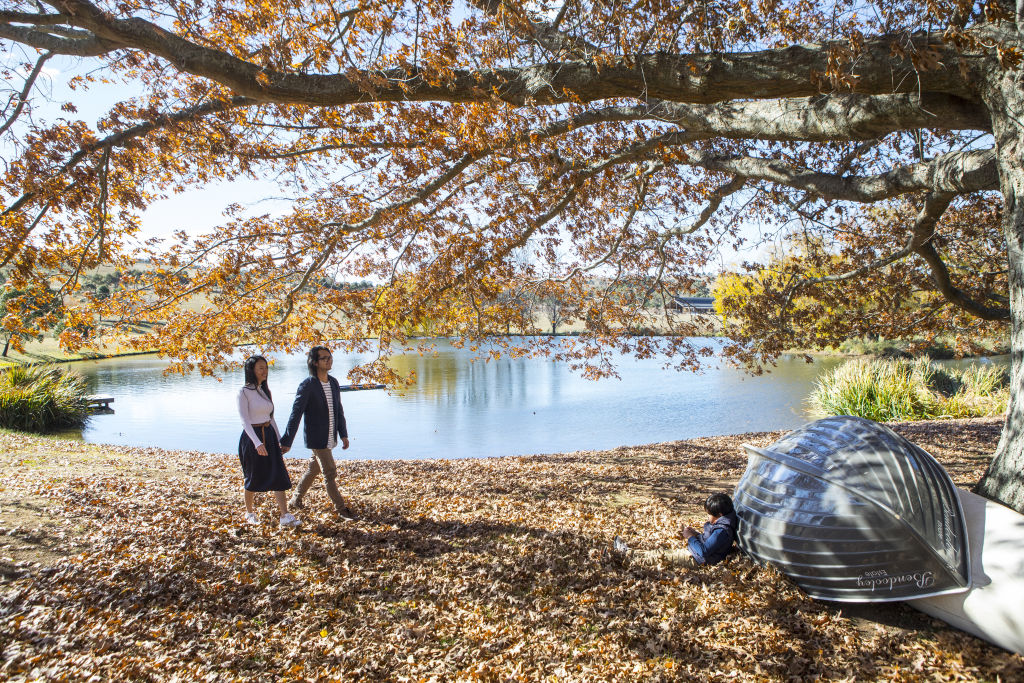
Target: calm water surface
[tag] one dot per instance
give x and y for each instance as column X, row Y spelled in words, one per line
column 460, row 408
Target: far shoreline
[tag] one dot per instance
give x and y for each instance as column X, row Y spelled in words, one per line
column 38, row 353
column 717, row 441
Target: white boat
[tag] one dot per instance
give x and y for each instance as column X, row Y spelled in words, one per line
column 993, row 607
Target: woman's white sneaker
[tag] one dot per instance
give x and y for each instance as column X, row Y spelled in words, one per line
column 289, row 520
column 251, row 518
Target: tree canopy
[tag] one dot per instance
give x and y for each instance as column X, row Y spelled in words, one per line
column 819, row 290
column 466, row 157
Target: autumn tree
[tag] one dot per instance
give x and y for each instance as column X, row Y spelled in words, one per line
column 792, row 301
column 24, row 313
column 428, row 145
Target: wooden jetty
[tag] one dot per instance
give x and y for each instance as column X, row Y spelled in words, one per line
column 98, row 402
column 362, row 387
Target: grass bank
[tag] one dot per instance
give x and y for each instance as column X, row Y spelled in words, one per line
column 884, row 389
column 49, row 351
column 127, row 563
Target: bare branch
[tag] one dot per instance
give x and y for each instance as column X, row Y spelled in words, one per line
column 714, row 201
column 23, row 96
column 122, row 137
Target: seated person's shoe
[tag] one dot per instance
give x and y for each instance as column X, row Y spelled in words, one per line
column 251, row 518
column 289, row 520
column 619, row 546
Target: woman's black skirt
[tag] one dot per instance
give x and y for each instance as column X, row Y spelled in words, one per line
column 263, row 472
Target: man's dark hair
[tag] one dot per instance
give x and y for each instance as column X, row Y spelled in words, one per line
column 718, row 504
column 313, row 356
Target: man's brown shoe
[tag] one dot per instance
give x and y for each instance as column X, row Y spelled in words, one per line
column 296, row 504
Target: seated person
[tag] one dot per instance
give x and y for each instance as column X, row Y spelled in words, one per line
column 713, row 544
column 708, row 547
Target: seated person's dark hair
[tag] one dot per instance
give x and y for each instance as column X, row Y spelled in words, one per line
column 718, row 504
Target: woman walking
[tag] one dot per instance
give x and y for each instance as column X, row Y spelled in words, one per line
column 259, row 447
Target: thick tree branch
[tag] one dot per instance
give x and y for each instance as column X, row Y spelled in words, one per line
column 41, row 19
column 698, row 78
column 826, row 117
column 78, row 44
column 956, row 172
column 944, row 284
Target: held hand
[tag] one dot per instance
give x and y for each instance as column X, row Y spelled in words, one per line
column 688, row 532
column 261, row 449
column 344, row 444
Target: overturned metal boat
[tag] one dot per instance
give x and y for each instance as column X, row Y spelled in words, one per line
column 851, row 511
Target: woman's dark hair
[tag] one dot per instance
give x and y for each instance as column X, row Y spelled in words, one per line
column 718, row 504
column 250, row 373
column 313, row 356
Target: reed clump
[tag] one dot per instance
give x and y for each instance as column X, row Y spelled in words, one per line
column 42, row 399
column 899, row 389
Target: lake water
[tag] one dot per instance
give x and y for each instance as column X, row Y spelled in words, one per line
column 460, row 408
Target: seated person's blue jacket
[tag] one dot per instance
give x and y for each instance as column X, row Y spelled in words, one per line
column 714, row 544
column 311, row 407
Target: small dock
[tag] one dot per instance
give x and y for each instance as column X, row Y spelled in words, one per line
column 360, row 387
column 99, row 402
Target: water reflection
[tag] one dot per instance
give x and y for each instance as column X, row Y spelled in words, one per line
column 460, row 408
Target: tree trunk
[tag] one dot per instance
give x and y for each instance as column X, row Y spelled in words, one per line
column 1004, row 479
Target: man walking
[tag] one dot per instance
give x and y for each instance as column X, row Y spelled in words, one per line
column 318, row 405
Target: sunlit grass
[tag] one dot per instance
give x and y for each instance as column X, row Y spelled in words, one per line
column 887, row 389
column 42, row 398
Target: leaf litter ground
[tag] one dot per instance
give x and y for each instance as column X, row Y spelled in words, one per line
column 127, row 563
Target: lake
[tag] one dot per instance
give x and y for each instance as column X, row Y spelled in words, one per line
column 460, row 408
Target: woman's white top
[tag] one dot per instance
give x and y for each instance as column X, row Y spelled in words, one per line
column 332, row 439
column 255, row 408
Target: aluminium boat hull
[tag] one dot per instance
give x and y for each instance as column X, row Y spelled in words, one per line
column 851, row 511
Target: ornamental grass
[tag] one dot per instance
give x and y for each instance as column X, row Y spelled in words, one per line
column 42, row 399
column 897, row 389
